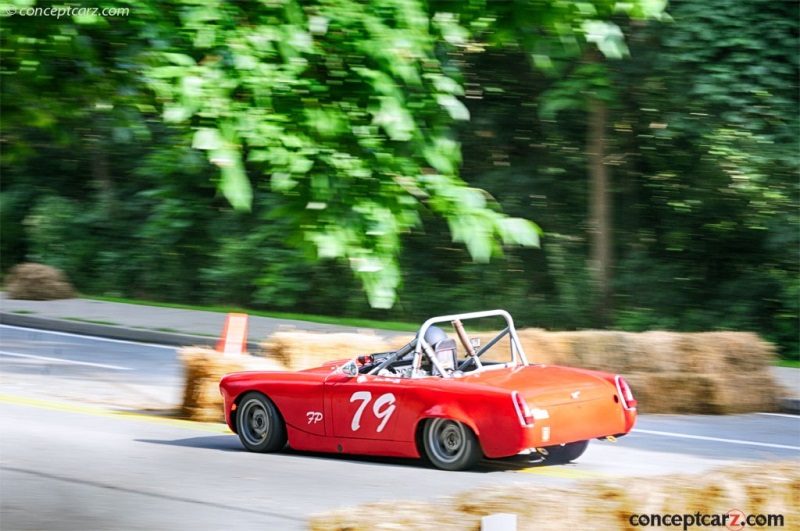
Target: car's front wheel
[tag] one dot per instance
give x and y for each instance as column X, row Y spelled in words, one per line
column 564, row 453
column 260, row 426
column 450, row 445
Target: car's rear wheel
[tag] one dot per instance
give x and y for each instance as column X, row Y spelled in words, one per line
column 450, row 445
column 260, row 426
column 564, row 453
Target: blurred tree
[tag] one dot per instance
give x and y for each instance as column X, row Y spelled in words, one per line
column 346, row 110
column 570, row 42
column 71, row 103
column 691, row 183
column 709, row 131
column 88, row 170
column 700, row 131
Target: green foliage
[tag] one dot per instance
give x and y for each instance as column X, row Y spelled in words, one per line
column 346, row 111
column 13, row 244
column 712, row 164
column 706, row 224
column 51, row 225
column 252, row 264
column 345, row 132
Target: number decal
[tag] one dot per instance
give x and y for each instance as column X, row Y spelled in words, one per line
column 366, row 396
column 384, row 414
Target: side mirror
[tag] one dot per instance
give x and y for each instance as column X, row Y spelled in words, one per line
column 350, row 368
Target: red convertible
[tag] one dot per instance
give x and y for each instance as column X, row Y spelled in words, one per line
column 449, row 400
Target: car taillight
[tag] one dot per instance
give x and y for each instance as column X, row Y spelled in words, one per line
column 523, row 411
column 625, row 393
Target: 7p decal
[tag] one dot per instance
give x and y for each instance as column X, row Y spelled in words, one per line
column 387, row 400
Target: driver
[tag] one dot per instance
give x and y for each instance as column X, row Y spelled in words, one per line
column 434, row 335
column 442, row 348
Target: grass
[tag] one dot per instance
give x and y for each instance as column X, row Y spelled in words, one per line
column 91, row 321
column 173, row 331
column 322, row 319
column 793, row 364
column 23, row 312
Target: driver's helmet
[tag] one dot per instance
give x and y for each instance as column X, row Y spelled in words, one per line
column 433, row 335
column 443, row 350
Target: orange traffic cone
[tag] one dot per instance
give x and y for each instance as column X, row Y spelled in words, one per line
column 234, row 336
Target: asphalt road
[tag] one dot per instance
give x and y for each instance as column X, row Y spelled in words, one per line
column 73, row 457
column 102, row 371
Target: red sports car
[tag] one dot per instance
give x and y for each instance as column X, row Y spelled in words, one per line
column 449, row 400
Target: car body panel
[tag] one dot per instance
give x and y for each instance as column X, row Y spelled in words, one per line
column 331, row 409
column 322, row 410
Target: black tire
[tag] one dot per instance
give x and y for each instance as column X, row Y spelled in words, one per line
column 564, row 453
column 261, row 427
column 450, row 445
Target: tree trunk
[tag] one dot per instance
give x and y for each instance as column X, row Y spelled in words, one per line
column 599, row 212
column 101, row 174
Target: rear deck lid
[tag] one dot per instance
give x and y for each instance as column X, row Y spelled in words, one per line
column 545, row 385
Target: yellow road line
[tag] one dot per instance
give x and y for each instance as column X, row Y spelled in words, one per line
column 558, row 471
column 569, row 473
column 111, row 413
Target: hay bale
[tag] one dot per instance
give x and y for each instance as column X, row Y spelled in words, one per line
column 600, row 349
column 724, row 352
column 607, row 504
column 203, row 368
column 38, row 282
column 746, row 392
column 700, row 373
column 670, row 372
column 303, row 350
column 677, row 392
column 549, row 348
column 749, row 487
column 656, row 351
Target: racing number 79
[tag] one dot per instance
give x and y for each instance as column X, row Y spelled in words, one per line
column 382, row 414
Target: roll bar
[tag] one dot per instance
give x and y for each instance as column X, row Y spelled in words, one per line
column 517, row 352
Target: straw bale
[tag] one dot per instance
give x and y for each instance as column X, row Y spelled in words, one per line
column 655, row 351
column 38, row 282
column 745, row 392
column 549, row 348
column 697, row 353
column 303, row 350
column 711, row 394
column 204, row 367
column 396, row 342
column 724, row 352
column 670, row 372
column 677, row 392
column 600, row 349
column 607, row 504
